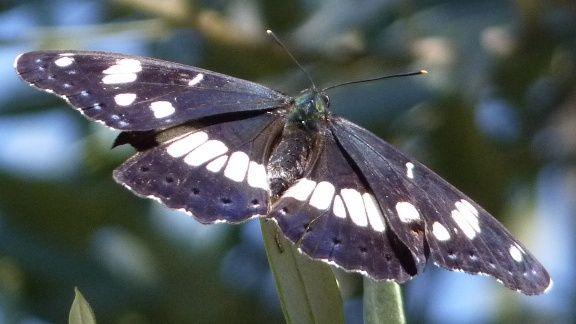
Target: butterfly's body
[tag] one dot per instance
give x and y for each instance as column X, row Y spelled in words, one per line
column 226, row 150
column 301, row 137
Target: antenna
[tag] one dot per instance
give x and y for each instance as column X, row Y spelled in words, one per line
column 375, row 79
column 277, row 40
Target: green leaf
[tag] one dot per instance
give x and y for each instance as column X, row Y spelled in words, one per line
column 382, row 302
column 80, row 312
column 307, row 289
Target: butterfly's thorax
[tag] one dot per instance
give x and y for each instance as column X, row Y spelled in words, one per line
column 293, row 154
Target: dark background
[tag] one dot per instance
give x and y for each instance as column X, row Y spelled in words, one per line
column 496, row 116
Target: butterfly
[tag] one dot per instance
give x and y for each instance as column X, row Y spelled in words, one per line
column 223, row 149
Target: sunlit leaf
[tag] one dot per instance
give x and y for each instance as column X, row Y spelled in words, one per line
column 382, row 302
column 80, row 312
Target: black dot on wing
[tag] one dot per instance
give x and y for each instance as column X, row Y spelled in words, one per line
column 169, row 179
column 144, row 168
column 255, row 202
column 225, row 200
column 195, row 191
column 336, row 241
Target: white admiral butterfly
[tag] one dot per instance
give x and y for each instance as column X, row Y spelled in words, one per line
column 226, row 150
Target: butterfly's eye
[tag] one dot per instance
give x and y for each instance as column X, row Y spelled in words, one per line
column 326, row 99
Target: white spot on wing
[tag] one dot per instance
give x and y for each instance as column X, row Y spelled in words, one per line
column 257, row 176
column 196, row 79
column 186, row 144
column 464, row 205
column 124, row 71
column 123, row 66
column 217, row 165
column 440, row 232
column 162, row 109
column 407, row 212
column 237, row 166
column 64, row 61
column 322, row 196
column 355, row 205
column 375, row 216
column 124, row 99
column 463, row 224
column 516, row 253
column 466, row 217
column 410, row 170
column 338, row 208
column 15, row 63
column 550, row 285
column 205, row 152
column 301, row 190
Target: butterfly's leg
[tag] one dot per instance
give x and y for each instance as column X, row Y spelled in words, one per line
column 278, row 242
column 309, row 227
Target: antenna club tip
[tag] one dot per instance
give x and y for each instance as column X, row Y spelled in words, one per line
column 269, row 32
column 423, row 71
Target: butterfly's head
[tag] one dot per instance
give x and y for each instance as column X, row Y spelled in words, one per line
column 310, row 105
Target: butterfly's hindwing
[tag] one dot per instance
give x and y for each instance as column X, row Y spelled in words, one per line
column 392, row 192
column 138, row 93
column 332, row 216
column 215, row 172
column 460, row 234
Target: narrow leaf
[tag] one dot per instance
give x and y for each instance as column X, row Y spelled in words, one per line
column 383, row 302
column 80, row 312
column 307, row 289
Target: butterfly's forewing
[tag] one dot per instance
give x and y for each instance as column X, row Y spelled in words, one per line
column 332, row 215
column 214, row 171
column 138, row 93
column 460, row 234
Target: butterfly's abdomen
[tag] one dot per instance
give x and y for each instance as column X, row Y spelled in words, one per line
column 290, row 157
